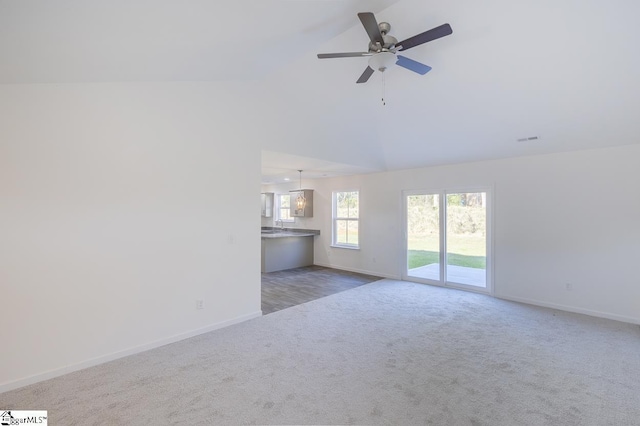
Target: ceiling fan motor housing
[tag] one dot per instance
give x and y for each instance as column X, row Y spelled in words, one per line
column 389, row 42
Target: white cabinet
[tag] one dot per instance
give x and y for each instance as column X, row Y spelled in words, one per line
column 307, row 211
column 267, row 204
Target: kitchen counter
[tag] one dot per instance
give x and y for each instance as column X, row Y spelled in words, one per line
column 288, row 232
column 286, row 248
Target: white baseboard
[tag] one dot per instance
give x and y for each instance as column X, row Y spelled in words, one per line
column 573, row 309
column 7, row 386
column 360, row 271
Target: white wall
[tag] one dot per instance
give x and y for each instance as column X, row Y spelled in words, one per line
column 562, row 218
column 120, row 205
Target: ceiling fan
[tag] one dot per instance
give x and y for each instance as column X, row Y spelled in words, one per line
column 383, row 47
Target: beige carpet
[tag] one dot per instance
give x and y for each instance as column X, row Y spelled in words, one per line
column 385, row 353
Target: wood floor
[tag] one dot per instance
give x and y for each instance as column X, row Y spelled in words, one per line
column 283, row 289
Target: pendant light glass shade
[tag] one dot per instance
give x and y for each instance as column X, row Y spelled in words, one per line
column 301, row 202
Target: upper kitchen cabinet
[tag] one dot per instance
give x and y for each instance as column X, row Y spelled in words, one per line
column 307, row 211
column 267, row 204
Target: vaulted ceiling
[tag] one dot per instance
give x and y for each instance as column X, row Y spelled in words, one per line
column 563, row 71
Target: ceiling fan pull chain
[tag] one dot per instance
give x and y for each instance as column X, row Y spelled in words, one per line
column 383, row 89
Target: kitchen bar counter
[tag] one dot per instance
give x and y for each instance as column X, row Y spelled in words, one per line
column 288, row 232
column 286, row 248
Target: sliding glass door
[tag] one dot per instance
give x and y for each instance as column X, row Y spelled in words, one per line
column 447, row 238
column 423, row 236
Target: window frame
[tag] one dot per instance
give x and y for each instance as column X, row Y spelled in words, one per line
column 335, row 218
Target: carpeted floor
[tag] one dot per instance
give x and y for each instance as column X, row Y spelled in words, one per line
column 389, row 352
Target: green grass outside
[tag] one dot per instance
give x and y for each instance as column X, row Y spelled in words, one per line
column 417, row 258
column 464, row 250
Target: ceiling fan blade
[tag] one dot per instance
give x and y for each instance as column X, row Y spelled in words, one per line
column 412, row 65
column 371, row 27
column 343, row 55
column 365, row 75
column 427, row 36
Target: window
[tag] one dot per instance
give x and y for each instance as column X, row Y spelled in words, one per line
column 345, row 219
column 283, row 209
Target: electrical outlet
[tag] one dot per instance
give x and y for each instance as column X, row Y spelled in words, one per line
column 199, row 304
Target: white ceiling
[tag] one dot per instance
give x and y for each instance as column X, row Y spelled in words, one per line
column 70, row 41
column 565, row 70
column 276, row 168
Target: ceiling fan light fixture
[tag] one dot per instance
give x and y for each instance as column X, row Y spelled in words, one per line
column 381, row 61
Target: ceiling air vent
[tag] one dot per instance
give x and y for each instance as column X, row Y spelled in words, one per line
column 528, row 139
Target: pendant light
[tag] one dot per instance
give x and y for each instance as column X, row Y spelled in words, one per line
column 301, row 202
